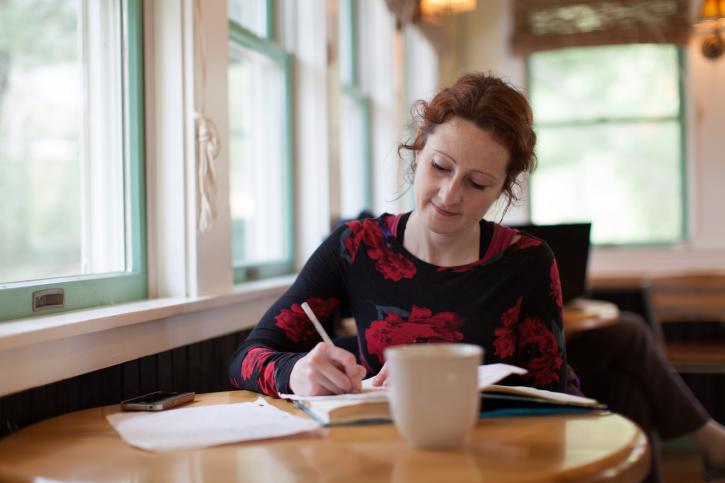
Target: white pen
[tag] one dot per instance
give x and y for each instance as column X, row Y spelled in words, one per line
column 318, row 326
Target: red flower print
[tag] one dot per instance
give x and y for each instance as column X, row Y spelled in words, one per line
column 511, row 315
column 254, row 360
column 353, row 239
column 266, row 382
column 555, row 284
column 505, row 341
column 421, row 326
column 392, row 265
column 527, row 242
column 545, row 360
column 294, row 322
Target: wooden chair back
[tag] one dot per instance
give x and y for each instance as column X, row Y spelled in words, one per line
column 689, row 298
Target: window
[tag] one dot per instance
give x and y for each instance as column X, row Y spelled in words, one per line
column 610, row 141
column 71, row 154
column 260, row 146
column 355, row 183
column 253, row 15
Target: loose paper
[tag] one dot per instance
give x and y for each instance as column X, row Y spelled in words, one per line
column 203, row 426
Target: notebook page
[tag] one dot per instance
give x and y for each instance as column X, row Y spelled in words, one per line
column 487, row 374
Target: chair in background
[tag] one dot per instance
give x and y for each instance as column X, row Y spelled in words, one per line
column 685, row 299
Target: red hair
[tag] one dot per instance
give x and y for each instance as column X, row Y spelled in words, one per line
column 493, row 105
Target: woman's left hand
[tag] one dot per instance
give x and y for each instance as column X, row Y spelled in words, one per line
column 381, row 378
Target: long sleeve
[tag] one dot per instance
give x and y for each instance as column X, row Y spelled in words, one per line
column 529, row 332
column 541, row 347
column 263, row 363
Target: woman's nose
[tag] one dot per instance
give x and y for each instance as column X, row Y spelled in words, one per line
column 451, row 192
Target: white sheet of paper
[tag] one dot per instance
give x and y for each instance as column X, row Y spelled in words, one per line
column 487, row 374
column 368, row 393
column 560, row 397
column 203, row 426
column 492, row 373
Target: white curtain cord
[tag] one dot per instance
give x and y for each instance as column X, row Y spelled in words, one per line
column 207, row 141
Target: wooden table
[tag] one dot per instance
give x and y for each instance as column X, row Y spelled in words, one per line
column 586, row 314
column 83, row 446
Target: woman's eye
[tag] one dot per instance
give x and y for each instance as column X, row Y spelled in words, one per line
column 478, row 186
column 438, row 167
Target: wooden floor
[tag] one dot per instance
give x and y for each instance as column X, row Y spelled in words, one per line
column 680, row 461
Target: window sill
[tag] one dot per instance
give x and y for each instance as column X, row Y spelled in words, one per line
column 48, row 348
column 628, row 268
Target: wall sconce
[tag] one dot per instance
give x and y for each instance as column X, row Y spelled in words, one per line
column 712, row 14
column 432, row 8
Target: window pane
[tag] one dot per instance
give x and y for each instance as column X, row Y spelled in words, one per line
column 631, row 81
column 353, row 160
column 250, row 14
column 257, row 158
column 624, row 178
column 61, row 149
column 346, row 43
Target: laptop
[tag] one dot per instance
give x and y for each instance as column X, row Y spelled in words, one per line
column 570, row 244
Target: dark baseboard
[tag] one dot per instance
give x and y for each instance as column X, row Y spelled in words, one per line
column 199, row 367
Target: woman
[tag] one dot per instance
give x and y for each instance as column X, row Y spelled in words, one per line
column 438, row 274
column 443, row 274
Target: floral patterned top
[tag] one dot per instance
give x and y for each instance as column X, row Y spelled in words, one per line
column 508, row 302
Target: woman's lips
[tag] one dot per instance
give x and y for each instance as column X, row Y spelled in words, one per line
column 443, row 212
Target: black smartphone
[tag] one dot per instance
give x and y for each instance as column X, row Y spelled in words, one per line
column 157, row 401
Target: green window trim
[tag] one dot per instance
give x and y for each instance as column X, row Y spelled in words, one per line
column 244, row 272
column 350, row 86
column 84, row 291
column 269, row 33
column 349, row 24
column 356, row 95
column 681, row 118
column 684, row 228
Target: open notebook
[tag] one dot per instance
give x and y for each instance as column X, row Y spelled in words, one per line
column 371, row 404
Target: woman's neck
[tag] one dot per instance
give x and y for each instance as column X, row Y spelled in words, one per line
column 444, row 250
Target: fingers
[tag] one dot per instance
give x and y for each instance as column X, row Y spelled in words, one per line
column 381, row 378
column 361, row 373
column 328, row 385
column 344, row 370
column 327, row 369
column 358, row 377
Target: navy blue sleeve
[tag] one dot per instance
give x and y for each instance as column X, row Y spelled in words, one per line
column 541, row 347
column 264, row 361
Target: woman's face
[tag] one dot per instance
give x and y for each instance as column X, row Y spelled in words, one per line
column 459, row 174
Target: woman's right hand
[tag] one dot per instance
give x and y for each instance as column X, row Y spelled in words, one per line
column 326, row 369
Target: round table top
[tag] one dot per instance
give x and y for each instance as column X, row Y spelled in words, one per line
column 586, row 314
column 82, row 446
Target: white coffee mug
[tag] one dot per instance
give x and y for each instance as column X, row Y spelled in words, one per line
column 433, row 391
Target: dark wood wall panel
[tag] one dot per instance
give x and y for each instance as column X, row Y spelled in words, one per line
column 200, row 367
